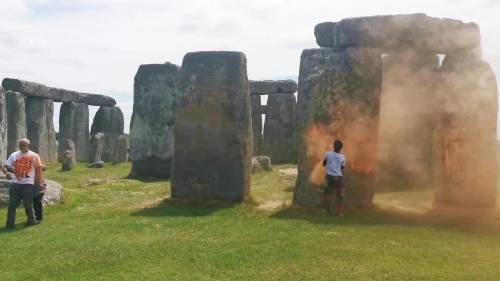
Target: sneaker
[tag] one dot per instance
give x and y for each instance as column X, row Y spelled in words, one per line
column 32, row 223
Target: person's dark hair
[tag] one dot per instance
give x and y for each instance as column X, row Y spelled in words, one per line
column 337, row 146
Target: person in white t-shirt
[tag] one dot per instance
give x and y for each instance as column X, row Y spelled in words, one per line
column 334, row 162
column 24, row 169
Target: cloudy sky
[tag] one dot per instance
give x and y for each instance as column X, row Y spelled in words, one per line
column 97, row 45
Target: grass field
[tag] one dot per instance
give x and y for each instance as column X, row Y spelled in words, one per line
column 112, row 228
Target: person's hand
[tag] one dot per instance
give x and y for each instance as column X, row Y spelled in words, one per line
column 9, row 176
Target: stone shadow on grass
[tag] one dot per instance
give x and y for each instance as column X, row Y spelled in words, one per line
column 181, row 208
column 482, row 222
column 145, row 179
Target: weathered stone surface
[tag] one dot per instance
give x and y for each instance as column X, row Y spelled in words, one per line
column 68, row 157
column 256, row 124
column 53, row 194
column 96, row 147
column 16, row 119
column 98, row 165
column 261, row 163
column 40, row 128
column 256, row 167
column 213, row 133
column 37, row 90
column 108, row 119
column 120, row 150
column 74, row 125
column 279, row 129
column 262, row 109
column 338, row 97
column 152, row 127
column 407, row 120
column 396, row 32
column 3, row 126
column 267, row 87
column 466, row 134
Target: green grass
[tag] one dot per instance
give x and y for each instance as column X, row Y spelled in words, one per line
column 112, row 228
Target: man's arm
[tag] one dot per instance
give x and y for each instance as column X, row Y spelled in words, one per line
column 38, row 172
column 7, row 167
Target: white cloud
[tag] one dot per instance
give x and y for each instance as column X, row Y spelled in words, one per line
column 97, row 45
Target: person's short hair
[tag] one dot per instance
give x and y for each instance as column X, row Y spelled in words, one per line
column 24, row 140
column 337, row 145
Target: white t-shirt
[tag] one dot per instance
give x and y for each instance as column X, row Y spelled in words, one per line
column 24, row 165
column 334, row 163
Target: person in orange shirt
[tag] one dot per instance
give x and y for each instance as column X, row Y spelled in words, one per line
column 24, row 169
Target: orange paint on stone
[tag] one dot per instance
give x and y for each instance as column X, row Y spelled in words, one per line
column 355, row 129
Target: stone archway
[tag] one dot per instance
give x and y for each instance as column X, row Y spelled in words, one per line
column 339, row 94
column 30, row 114
column 277, row 138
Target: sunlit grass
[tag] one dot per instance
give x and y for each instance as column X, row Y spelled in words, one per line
column 113, row 228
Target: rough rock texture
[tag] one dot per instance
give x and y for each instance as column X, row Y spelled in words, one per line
column 37, row 90
column 279, row 129
column 396, row 32
column 407, row 120
column 68, row 157
column 96, row 147
column 256, row 125
column 267, row 87
column 108, row 120
column 40, row 128
column 262, row 109
column 466, row 134
column 3, row 126
column 338, row 97
column 74, row 125
column 53, row 194
column 152, row 127
column 98, row 165
column 120, row 150
column 261, row 163
column 16, row 119
column 213, row 133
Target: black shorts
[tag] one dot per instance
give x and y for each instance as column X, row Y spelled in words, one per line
column 333, row 183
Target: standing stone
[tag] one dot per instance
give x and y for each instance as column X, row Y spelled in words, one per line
column 213, row 131
column 3, row 126
column 152, row 127
column 68, row 157
column 338, row 97
column 466, row 133
column 407, row 120
column 16, row 119
column 96, row 147
column 279, row 129
column 256, row 124
column 74, row 125
column 120, row 150
column 40, row 128
column 108, row 120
